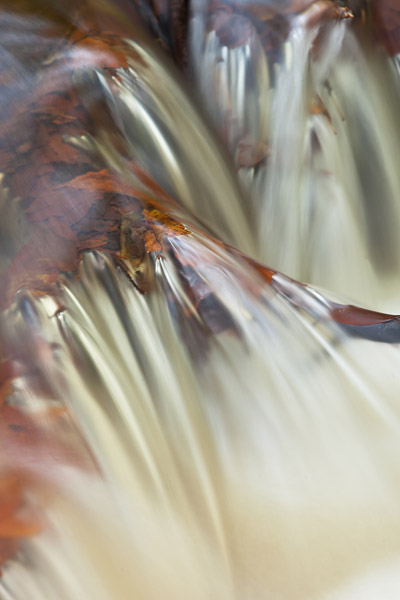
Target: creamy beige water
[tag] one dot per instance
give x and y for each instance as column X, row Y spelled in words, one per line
column 269, row 469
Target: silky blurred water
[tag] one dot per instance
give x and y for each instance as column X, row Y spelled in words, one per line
column 234, row 440
column 325, row 199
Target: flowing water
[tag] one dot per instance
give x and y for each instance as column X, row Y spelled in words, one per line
column 325, row 198
column 207, row 427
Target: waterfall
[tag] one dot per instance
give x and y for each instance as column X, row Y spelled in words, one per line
column 177, row 419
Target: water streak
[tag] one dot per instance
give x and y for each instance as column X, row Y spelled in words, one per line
column 320, row 127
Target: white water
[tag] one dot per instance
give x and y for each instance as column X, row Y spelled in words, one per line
column 264, row 462
column 238, row 476
column 326, row 201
